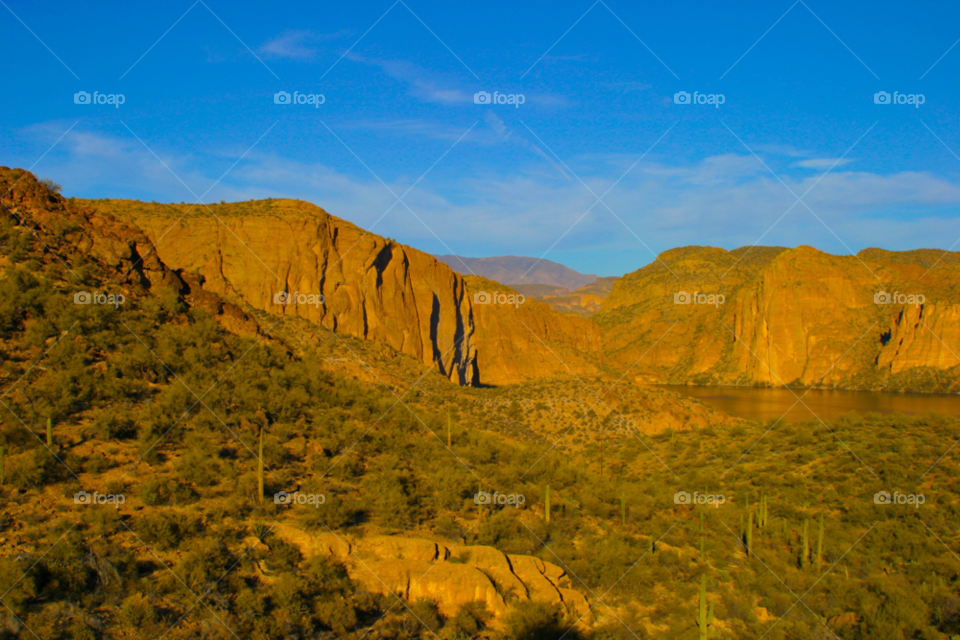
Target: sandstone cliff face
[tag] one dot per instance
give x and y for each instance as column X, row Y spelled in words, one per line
column 529, row 340
column 415, row 568
column 371, row 287
column 797, row 316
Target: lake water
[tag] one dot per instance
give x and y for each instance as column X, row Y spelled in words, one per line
column 771, row 404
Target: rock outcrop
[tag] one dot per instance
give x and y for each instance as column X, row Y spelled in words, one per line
column 413, row 568
column 66, row 228
column 790, row 316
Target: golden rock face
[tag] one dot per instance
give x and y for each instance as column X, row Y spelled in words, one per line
column 790, row 316
column 415, row 568
column 371, row 288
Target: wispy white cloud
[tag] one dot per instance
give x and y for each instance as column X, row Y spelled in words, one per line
column 427, row 86
column 448, row 90
column 522, row 208
column 505, row 134
column 296, row 44
column 823, row 164
column 416, row 128
column 782, row 150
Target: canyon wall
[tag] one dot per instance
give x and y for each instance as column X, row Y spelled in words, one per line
column 372, row 288
column 789, row 316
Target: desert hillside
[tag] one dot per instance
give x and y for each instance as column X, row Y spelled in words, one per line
column 150, row 446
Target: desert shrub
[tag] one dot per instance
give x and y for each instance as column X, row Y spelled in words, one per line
column 23, row 585
column 536, row 621
column 470, row 620
column 112, row 426
column 336, row 614
column 283, row 556
column 335, row 513
column 198, row 467
column 166, row 529
column 503, row 529
column 137, row 611
column 32, row 469
column 156, row 491
column 97, row 463
column 426, row 612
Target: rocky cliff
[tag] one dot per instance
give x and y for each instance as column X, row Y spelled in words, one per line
column 291, row 257
column 790, row 316
column 74, row 234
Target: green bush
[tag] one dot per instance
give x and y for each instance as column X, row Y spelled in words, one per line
column 166, row 529
column 536, row 621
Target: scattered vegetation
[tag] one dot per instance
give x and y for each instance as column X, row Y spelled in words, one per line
column 154, row 401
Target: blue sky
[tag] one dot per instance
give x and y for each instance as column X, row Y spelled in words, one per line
column 598, row 118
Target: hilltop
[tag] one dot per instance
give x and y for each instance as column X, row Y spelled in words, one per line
column 878, row 320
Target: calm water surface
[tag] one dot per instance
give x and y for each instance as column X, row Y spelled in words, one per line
column 771, row 404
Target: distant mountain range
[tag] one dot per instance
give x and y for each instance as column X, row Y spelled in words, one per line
column 512, row 270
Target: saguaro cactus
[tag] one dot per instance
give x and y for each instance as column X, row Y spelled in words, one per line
column 705, row 615
column 820, row 545
column 546, row 507
column 653, row 544
column 701, row 535
column 806, row 544
column 260, row 468
column 601, row 458
column 750, row 534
